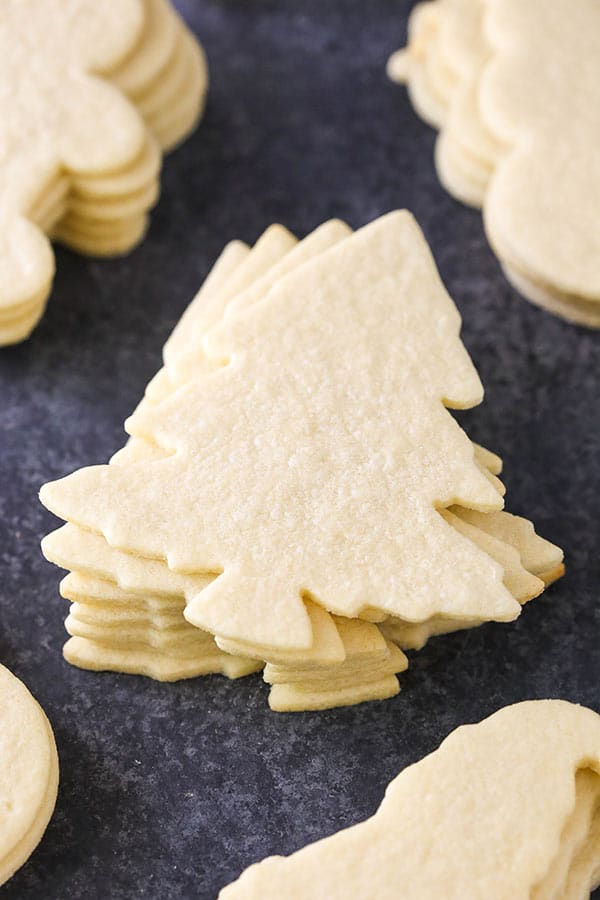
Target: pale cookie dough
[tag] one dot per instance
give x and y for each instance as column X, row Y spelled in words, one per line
column 508, row 809
column 28, row 774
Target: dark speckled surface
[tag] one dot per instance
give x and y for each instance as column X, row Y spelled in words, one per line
column 169, row 791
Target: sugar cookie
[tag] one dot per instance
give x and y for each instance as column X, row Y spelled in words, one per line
column 519, row 120
column 504, row 809
column 28, row 774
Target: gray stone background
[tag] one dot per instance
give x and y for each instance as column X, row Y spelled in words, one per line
column 169, row 791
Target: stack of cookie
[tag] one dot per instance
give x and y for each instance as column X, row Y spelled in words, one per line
column 516, row 138
column 294, row 491
column 117, row 623
column 131, row 81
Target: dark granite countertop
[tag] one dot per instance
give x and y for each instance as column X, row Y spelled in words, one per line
column 169, row 791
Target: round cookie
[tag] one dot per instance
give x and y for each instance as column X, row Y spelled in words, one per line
column 28, row 774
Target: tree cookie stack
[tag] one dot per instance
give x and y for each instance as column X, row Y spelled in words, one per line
column 295, row 493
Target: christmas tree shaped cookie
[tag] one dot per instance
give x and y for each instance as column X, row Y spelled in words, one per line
column 147, row 635
column 307, row 481
column 257, row 296
column 94, row 92
column 518, row 108
column 506, row 808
